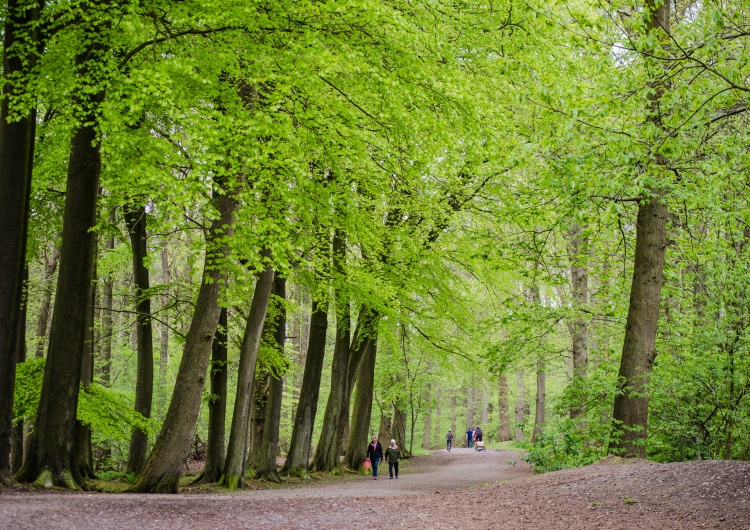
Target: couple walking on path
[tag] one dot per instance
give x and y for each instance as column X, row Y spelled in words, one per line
column 375, row 455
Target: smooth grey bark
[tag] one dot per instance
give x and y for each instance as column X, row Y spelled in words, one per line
column 266, row 469
column 503, row 408
column 520, row 407
column 217, row 406
column 359, row 434
column 161, row 395
column 578, row 328
column 105, row 342
column 135, row 219
column 83, row 457
column 16, row 163
column 541, row 398
column 299, row 451
column 164, row 465
column 426, row 441
column 234, row 465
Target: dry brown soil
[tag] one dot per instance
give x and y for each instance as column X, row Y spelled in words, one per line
column 461, row 489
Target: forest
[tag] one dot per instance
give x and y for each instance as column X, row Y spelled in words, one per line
column 248, row 230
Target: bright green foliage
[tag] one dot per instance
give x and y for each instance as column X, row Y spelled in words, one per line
column 561, row 447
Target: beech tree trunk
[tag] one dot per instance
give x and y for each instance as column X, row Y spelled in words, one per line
column 49, row 458
column 328, row 452
column 161, row 396
column 359, row 435
column 16, row 162
column 45, row 310
column 426, row 442
column 520, row 407
column 135, row 219
column 164, row 465
column 234, row 466
column 105, row 343
column 503, row 408
column 17, row 437
column 578, row 328
column 541, row 399
column 299, row 451
column 266, row 469
column 630, row 414
column 217, row 406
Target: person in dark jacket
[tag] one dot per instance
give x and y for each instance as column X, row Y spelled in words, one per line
column 392, row 456
column 375, row 454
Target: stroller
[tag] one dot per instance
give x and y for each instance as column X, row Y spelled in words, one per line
column 479, row 446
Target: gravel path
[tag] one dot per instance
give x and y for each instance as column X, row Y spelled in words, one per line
column 336, row 504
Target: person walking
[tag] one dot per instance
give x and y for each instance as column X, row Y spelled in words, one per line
column 477, row 434
column 449, row 440
column 392, row 456
column 470, row 437
column 375, row 454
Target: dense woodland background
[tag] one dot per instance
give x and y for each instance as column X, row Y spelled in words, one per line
column 243, row 230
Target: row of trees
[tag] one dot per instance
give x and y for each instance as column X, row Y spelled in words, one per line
column 457, row 195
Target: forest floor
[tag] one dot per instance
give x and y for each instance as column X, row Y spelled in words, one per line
column 492, row 489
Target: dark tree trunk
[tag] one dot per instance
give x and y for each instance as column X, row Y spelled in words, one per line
column 135, row 219
column 638, row 352
column 50, row 266
column 83, row 458
column 234, row 466
column 503, row 408
column 367, row 324
column 217, row 406
column 266, row 468
column 257, row 419
column 17, row 438
column 49, row 459
column 16, row 160
column 299, row 451
column 328, row 452
column 163, row 466
column 630, row 414
column 359, row 434
column 426, row 441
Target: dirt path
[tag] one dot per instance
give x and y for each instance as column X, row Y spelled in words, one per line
column 337, row 504
column 493, row 490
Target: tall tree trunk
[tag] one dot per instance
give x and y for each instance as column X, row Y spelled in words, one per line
column 578, row 328
column 399, row 427
column 359, row 434
column 470, row 406
column 257, row 418
column 217, row 406
column 630, row 413
column 503, row 408
column 328, row 452
column 135, row 219
column 234, row 466
column 520, row 406
column 541, row 398
column 83, row 457
column 16, row 161
column 426, row 441
column 266, row 469
column 105, row 365
column 454, row 418
column 17, row 436
column 161, row 396
column 45, row 310
column 485, row 407
column 163, row 466
column 49, row 458
column 367, row 323
column 304, row 421
column 438, row 433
